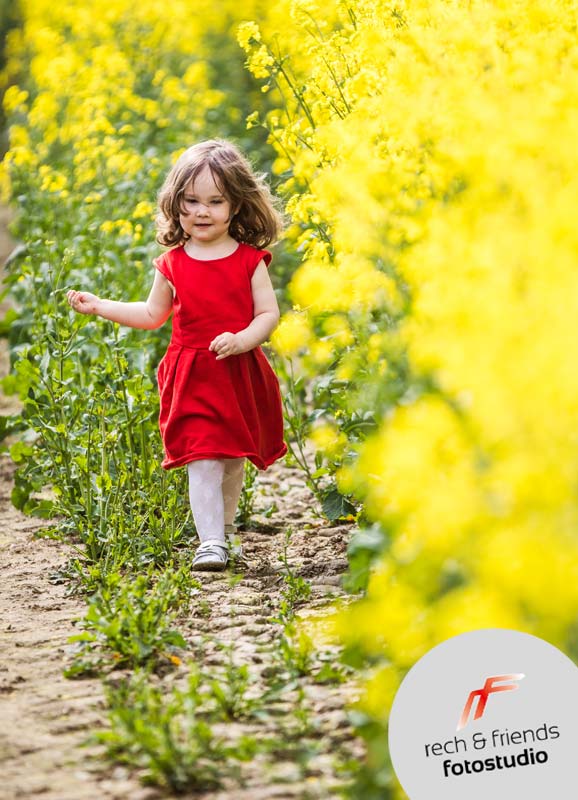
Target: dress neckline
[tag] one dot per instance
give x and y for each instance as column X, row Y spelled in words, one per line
column 209, row 260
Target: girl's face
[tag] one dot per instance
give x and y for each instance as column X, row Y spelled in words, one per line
column 206, row 212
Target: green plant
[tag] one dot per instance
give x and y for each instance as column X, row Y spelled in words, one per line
column 305, row 403
column 296, row 589
column 297, row 422
column 167, row 736
column 332, row 670
column 229, row 690
column 128, row 623
column 295, row 649
column 364, row 548
column 203, row 609
column 247, row 499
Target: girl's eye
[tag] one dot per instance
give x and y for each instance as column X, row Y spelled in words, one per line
column 191, row 200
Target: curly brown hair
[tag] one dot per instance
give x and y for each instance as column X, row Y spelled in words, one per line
column 256, row 220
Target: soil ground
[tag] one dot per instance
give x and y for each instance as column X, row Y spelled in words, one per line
column 46, row 719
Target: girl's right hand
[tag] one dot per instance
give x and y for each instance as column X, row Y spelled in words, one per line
column 83, row 302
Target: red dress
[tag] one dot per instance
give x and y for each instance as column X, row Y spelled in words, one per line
column 216, row 409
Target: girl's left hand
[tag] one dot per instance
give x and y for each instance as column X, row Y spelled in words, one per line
column 227, row 344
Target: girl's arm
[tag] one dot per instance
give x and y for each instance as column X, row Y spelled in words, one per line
column 265, row 319
column 151, row 313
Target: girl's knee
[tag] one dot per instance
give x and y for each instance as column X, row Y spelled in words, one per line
column 206, row 466
column 233, row 465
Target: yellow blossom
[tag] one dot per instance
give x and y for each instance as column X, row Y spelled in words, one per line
column 292, row 334
column 321, row 352
column 246, row 32
column 143, row 209
column 14, row 99
column 328, row 439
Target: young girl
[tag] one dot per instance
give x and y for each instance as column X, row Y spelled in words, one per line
column 219, row 398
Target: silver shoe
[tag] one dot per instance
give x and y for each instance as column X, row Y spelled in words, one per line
column 212, row 556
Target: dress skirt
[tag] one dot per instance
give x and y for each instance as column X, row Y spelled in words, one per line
column 219, row 409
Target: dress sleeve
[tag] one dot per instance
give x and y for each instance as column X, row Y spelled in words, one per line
column 163, row 264
column 257, row 257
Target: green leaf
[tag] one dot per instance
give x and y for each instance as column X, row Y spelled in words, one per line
column 20, row 450
column 364, row 548
column 43, row 509
column 176, row 639
column 20, row 494
column 368, row 540
column 10, row 384
column 86, row 636
column 336, row 506
column 6, row 322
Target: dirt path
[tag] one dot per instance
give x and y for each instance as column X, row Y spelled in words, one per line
column 46, row 719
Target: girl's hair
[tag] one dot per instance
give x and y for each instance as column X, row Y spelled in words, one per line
column 255, row 219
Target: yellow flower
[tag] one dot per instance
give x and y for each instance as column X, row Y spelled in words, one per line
column 247, row 33
column 5, row 184
column 14, row 99
column 143, row 209
column 52, row 181
column 329, row 439
column 93, row 197
column 260, row 62
column 337, row 328
column 321, row 352
column 292, row 334
column 320, row 287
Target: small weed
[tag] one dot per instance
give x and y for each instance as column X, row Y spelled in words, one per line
column 295, row 649
column 229, row 691
column 168, row 736
column 162, row 734
column 128, row 623
column 203, row 609
column 332, row 672
column 296, row 591
column 247, row 499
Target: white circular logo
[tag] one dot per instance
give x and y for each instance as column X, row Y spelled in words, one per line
column 488, row 714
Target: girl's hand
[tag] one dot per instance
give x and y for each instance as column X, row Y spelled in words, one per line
column 227, row 344
column 83, row 302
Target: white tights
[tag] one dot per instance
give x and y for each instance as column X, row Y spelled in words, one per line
column 214, row 491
